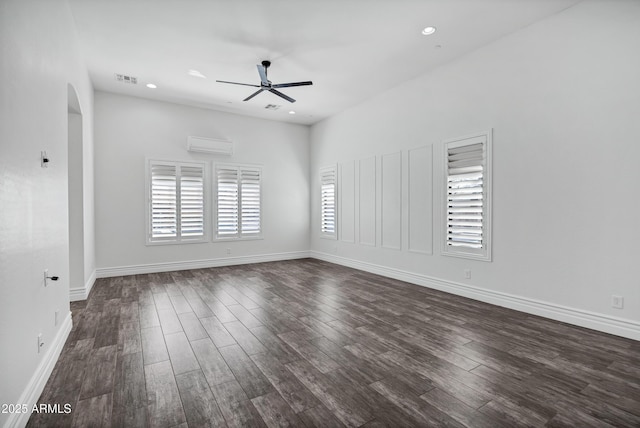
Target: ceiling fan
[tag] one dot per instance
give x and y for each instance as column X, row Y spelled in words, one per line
column 266, row 85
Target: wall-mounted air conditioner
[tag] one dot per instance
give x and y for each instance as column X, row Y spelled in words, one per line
column 209, row 146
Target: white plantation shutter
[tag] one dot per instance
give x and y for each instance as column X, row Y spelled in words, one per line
column 191, row 201
column 328, row 202
column 467, row 201
column 227, row 202
column 164, row 217
column 177, row 205
column 250, row 201
column 465, row 196
column 238, row 202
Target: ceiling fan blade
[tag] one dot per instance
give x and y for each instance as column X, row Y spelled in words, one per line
column 236, row 83
column 263, row 74
column 253, row 95
column 280, row 94
column 288, row 85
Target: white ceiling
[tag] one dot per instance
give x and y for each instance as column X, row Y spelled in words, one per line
column 350, row 49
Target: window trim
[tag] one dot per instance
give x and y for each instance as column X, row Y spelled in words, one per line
column 177, row 240
column 214, row 179
column 333, row 169
column 483, row 254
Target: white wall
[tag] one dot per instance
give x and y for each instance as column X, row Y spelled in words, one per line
column 562, row 97
column 82, row 261
column 39, row 58
column 128, row 130
column 88, row 198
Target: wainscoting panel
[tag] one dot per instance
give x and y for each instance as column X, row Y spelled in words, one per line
column 367, row 201
column 421, row 200
column 391, row 196
column 347, row 203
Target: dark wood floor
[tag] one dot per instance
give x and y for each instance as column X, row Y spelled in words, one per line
column 310, row 344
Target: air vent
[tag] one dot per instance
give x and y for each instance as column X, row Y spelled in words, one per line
column 272, row 107
column 126, row 79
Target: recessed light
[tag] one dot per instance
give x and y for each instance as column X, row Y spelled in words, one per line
column 428, row 31
column 196, row 73
column 292, row 112
column 151, row 86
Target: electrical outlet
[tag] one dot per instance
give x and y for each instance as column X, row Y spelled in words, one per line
column 467, row 273
column 228, row 251
column 40, row 343
column 617, row 302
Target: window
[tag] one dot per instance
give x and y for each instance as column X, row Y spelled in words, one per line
column 238, row 202
column 176, row 202
column 328, row 199
column 468, row 197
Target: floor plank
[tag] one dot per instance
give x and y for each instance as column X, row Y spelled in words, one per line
column 214, row 367
column 247, row 341
column 236, row 407
column 93, row 412
column 192, row 327
column 199, row 404
column 99, row 377
column 182, row 357
column 165, row 407
column 319, row 417
column 129, row 339
column 154, row 348
column 275, row 411
column 289, row 387
column 315, row 356
column 339, row 400
column 217, row 332
column 129, row 389
column 248, row 375
column 148, row 316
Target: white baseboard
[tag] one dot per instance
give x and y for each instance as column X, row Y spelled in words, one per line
column 605, row 323
column 41, row 375
column 81, row 293
column 197, row 264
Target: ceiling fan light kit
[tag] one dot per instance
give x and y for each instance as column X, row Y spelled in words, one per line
column 266, row 85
